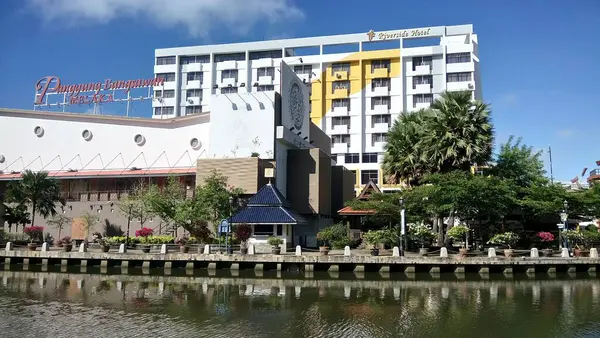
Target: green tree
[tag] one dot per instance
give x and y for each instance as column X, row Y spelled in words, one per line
column 90, row 220
column 135, row 205
column 36, row 190
column 520, row 163
column 15, row 215
column 212, row 198
column 59, row 221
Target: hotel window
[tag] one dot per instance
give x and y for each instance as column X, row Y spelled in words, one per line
column 340, row 67
column 266, row 71
column 263, row 229
column 168, row 94
column 422, row 98
column 341, row 103
column 340, row 121
column 164, row 110
column 378, row 83
column 425, row 79
column 267, row 54
column 458, row 58
column 378, row 137
column 193, row 93
column 377, row 64
column 335, row 139
column 369, row 175
column 195, row 76
column 165, row 60
column 421, row 61
column 369, row 158
column 458, row 77
column 380, row 119
column 351, row 158
column 157, row 93
column 229, row 90
column 303, row 69
column 265, row 88
column 168, row 77
column 341, row 85
column 380, row 101
column 230, row 57
column 193, row 110
column 186, row 60
column 229, row 74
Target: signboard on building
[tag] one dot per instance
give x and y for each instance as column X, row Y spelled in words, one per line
column 405, row 34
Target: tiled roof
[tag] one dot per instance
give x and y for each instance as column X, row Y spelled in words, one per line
column 267, row 215
column 348, row 211
column 268, row 206
column 268, row 195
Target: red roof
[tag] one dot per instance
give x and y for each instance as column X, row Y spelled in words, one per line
column 348, row 211
column 109, row 173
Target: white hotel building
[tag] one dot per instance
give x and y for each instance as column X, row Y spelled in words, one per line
column 356, row 91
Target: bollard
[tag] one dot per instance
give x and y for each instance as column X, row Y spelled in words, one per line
column 593, row 253
column 122, row 248
column 491, row 253
column 346, row 251
column 534, row 253
column 298, row 250
column 83, row 247
column 163, row 249
column 9, row 246
column 45, row 247
column 444, row 252
column 206, row 249
column 564, row 253
column 395, row 252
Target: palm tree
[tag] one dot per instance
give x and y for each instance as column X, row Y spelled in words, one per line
column 16, row 215
column 460, row 132
column 36, row 190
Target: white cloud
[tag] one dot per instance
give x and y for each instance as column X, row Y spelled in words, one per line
column 199, row 17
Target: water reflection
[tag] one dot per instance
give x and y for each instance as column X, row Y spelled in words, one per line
column 39, row 303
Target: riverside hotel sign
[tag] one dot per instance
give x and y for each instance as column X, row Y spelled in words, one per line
column 89, row 93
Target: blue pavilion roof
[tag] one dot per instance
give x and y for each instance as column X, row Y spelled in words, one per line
column 268, row 206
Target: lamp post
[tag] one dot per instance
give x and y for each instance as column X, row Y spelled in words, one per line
column 128, row 224
column 564, row 217
column 402, row 225
column 229, row 250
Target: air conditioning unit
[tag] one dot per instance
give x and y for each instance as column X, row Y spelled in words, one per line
column 471, row 86
column 190, row 101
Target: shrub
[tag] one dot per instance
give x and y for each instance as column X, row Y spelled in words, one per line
column 458, row 233
column 35, row 233
column 144, row 232
column 342, row 243
column 66, row 240
column 545, row 236
column 274, row 241
column 243, row 232
column 422, row 234
column 505, row 238
column 332, row 233
column 374, row 237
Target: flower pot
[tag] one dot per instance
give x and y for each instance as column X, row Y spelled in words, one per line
column 423, row 251
column 244, row 251
column 105, row 248
column 375, row 252
column 546, row 252
column 184, row 249
column 580, row 253
column 276, row 250
column 145, row 248
column 462, row 252
column 31, row 246
column 509, row 252
column 67, row 247
column 324, row 250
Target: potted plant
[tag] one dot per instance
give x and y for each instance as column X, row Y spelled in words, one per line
column 183, row 244
column 576, row 240
column 546, row 239
column 143, row 235
column 373, row 238
column 275, row 243
column 337, row 232
column 104, row 243
column 66, row 243
column 35, row 233
column 423, row 235
column 459, row 233
column 506, row 238
column 242, row 233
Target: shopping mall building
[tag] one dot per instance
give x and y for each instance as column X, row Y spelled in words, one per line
column 298, row 113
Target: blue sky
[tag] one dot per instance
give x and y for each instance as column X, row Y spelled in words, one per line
column 539, row 57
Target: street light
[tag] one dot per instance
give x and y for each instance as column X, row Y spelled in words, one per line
column 229, row 249
column 564, row 218
column 402, row 225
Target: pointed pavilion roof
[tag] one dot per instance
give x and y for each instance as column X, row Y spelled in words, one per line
column 369, row 189
column 268, row 206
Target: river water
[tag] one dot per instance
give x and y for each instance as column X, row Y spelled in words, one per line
column 42, row 304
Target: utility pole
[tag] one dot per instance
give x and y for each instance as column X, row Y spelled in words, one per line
column 551, row 173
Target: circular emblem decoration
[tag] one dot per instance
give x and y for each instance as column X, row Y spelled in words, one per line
column 296, row 105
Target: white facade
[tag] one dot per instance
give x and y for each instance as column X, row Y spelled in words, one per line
column 358, row 120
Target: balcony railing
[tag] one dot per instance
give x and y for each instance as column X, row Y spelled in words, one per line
column 104, row 196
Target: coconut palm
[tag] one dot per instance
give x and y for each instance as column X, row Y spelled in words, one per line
column 36, row 190
column 459, row 133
